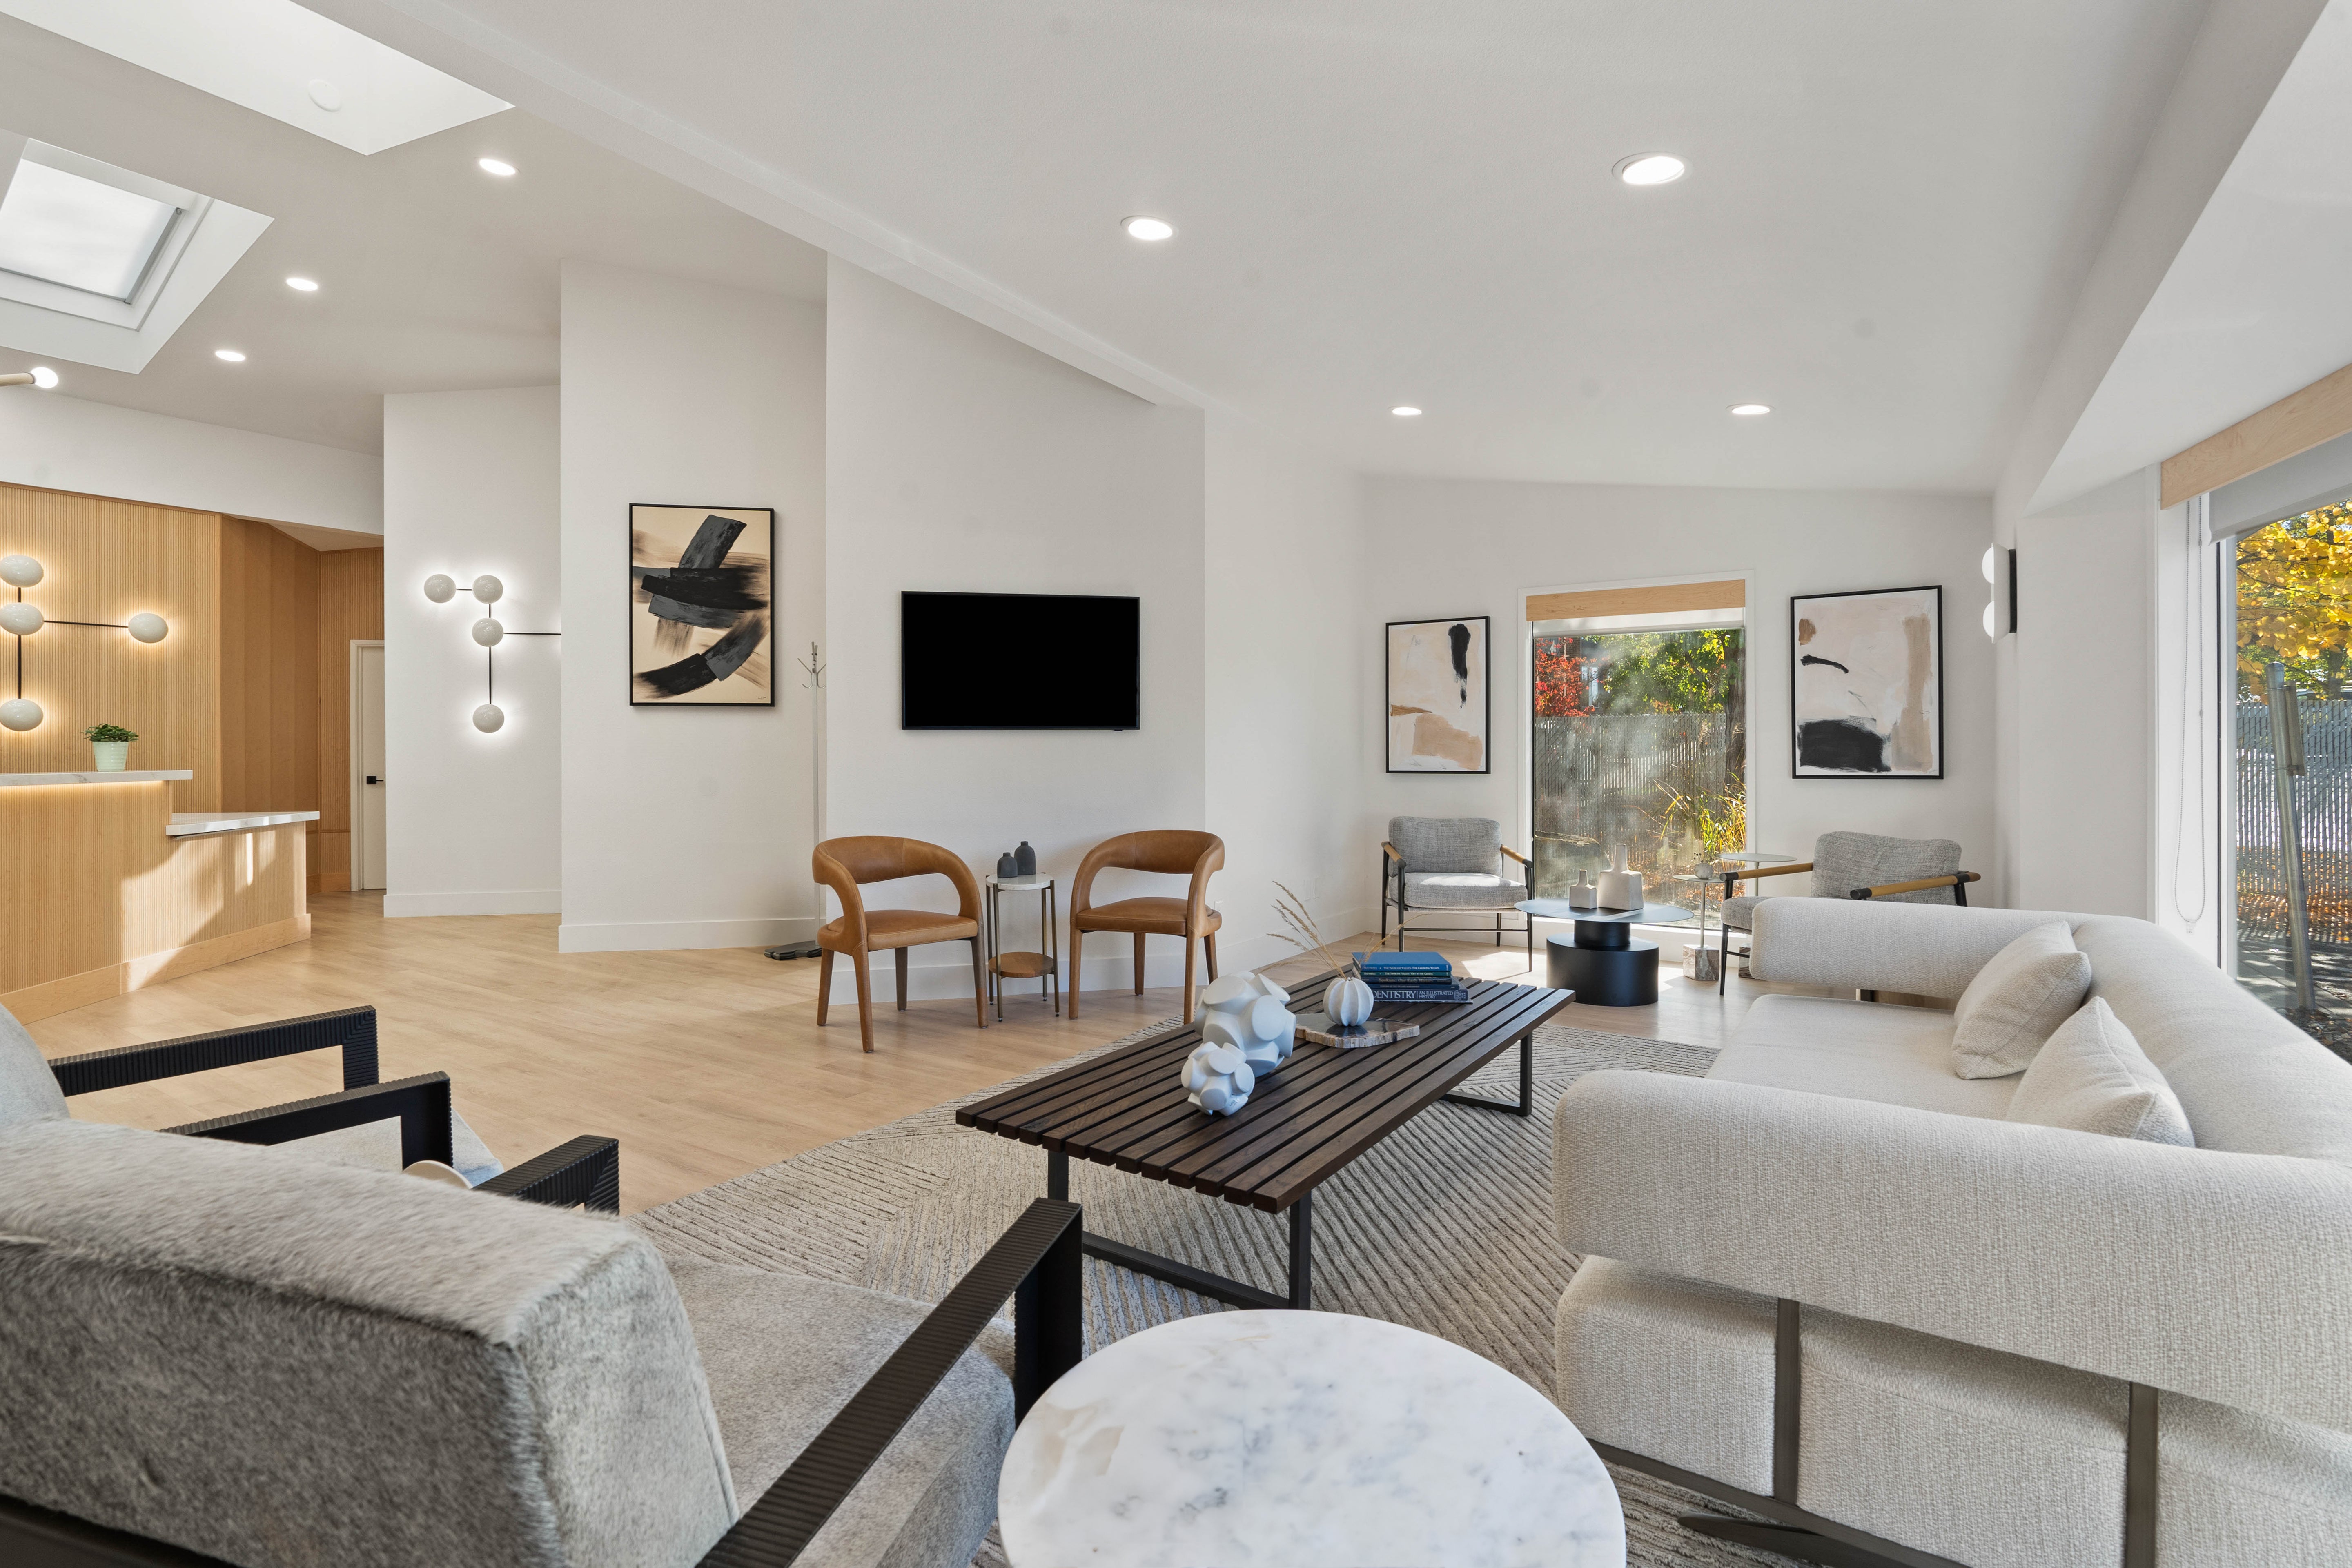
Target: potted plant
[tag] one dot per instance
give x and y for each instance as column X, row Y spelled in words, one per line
column 111, row 745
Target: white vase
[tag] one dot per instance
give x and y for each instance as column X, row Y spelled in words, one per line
column 1347, row 1001
column 1620, row 889
column 113, row 756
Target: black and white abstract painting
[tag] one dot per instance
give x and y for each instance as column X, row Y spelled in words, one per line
column 700, row 588
column 1867, row 684
column 1439, row 711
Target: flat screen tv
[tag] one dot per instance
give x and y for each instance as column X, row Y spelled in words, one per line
column 1019, row 661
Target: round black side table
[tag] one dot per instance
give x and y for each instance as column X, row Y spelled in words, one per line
column 1601, row 962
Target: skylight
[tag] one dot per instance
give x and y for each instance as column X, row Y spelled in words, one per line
column 80, row 232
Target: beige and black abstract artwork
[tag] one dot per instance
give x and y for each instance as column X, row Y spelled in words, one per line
column 1439, row 711
column 1867, row 684
column 701, row 590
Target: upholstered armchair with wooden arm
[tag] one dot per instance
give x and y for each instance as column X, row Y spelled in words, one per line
column 842, row 864
column 1854, row 866
column 1171, row 852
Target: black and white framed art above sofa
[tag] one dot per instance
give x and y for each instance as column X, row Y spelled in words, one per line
column 1866, row 684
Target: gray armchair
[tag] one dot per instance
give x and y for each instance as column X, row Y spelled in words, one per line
column 1456, row 864
column 1855, row 866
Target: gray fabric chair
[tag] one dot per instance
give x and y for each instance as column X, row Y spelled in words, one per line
column 273, row 1362
column 1458, row 865
column 1855, row 866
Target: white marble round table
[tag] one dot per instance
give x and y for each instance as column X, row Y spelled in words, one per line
column 1305, row 1439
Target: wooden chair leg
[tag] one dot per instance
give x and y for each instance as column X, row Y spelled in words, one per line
column 1138, row 963
column 979, row 985
column 1077, row 959
column 1209, row 944
column 864, row 1003
column 1189, row 991
column 824, row 983
column 900, row 954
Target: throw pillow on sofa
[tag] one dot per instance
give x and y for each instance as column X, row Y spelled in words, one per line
column 2092, row 1076
column 2015, row 1003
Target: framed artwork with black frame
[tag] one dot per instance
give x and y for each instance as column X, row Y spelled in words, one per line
column 1440, row 696
column 702, row 592
column 1866, row 684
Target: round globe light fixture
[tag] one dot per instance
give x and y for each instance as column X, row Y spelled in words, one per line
column 1405, row 411
column 43, row 377
column 148, row 628
column 230, row 355
column 20, row 714
column 489, row 589
column 1651, row 169
column 489, row 633
column 440, row 587
column 1751, row 410
column 20, row 620
column 489, row 719
column 499, row 166
column 1987, row 620
column 19, row 571
column 1153, row 229
column 1986, row 564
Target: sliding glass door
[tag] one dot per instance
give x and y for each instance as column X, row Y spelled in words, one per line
column 1639, row 738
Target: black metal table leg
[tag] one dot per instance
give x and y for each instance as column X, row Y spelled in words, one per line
column 1302, row 1254
column 1527, row 1105
column 1200, row 1281
column 1057, row 1175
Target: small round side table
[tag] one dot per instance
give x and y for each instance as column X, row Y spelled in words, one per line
column 1046, row 968
column 1321, row 1441
column 1602, row 962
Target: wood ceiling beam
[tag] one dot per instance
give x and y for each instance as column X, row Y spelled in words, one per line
column 2295, row 423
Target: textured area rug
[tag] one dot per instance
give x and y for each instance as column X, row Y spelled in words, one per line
column 1445, row 1226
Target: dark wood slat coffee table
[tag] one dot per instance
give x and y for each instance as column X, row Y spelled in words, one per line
column 1325, row 1106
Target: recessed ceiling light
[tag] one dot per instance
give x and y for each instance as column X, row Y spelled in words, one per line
column 498, row 166
column 43, row 377
column 303, row 285
column 1405, row 411
column 1154, row 229
column 1750, row 410
column 1651, row 169
column 229, row 354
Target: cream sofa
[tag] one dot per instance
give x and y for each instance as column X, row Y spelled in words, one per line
column 1829, row 1282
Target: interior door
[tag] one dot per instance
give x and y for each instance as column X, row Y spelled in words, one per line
column 367, row 707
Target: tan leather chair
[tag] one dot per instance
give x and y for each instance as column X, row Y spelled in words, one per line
column 842, row 864
column 1174, row 852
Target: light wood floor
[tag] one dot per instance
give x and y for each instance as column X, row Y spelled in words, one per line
column 704, row 1065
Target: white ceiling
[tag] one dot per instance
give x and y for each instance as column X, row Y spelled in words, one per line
column 433, row 274
column 2255, row 304
column 1890, row 210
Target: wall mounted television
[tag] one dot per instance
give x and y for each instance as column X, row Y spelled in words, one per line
column 1020, row 661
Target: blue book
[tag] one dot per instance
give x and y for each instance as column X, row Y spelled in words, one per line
column 1375, row 964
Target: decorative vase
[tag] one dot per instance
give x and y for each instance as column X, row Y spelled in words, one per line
column 1347, row 1002
column 1025, row 860
column 1005, row 867
column 1217, row 1079
column 1620, row 889
column 113, row 756
column 1583, row 895
column 1248, row 1013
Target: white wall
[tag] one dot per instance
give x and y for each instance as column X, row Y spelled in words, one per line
column 63, row 442
column 685, row 826
column 1443, row 547
column 474, row 822
column 1285, row 783
column 959, row 460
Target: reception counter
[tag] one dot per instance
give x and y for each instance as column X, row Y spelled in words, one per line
column 107, row 889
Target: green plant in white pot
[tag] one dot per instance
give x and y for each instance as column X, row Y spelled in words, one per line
column 111, row 745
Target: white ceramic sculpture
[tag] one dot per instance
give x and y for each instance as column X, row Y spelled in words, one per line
column 1249, row 1013
column 1620, row 889
column 1583, row 895
column 1347, row 1001
column 1217, row 1079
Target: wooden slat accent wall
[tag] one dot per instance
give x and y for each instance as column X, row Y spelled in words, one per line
column 1665, row 599
column 107, row 561
column 350, row 609
column 268, row 669
column 2295, row 423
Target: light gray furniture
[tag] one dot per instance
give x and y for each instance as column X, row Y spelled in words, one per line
column 1456, row 864
column 1853, row 866
column 1828, row 1283
column 272, row 1360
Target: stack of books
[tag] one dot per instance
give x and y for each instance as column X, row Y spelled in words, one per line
column 1410, row 977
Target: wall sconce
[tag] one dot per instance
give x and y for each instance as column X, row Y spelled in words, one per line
column 21, row 620
column 489, row 717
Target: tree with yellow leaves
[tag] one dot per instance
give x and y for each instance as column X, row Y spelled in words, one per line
column 2294, row 603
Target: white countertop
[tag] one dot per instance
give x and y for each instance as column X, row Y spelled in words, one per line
column 130, row 775
column 189, row 823
column 1289, row 1438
